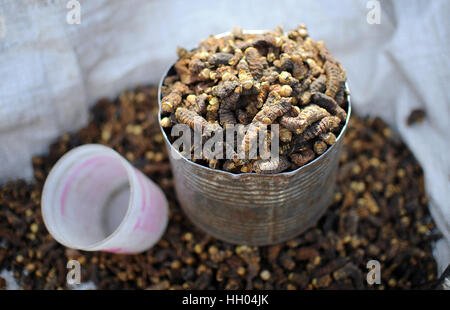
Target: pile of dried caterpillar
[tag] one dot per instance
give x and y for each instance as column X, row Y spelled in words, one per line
column 259, row 80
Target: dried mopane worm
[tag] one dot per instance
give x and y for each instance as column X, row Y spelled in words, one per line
column 273, row 165
column 303, row 157
column 304, row 119
column 272, row 85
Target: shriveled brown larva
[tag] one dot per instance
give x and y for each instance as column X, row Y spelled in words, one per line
column 286, row 91
column 302, row 31
column 341, row 94
column 333, row 73
column 212, row 110
column 314, row 67
column 198, row 62
column 205, row 74
column 273, row 109
column 306, row 83
column 182, row 52
column 311, row 50
column 213, row 163
column 247, row 167
column 238, row 54
column 256, row 62
column 272, row 165
column 264, row 40
column 285, row 134
column 220, row 59
column 228, row 93
column 226, row 116
column 320, row 147
column 251, row 135
column 330, row 104
column 250, row 104
column 242, row 116
column 196, row 65
column 299, row 69
column 227, row 108
column 284, row 63
column 304, row 119
column 270, row 76
column 328, row 137
column 287, row 79
column 225, row 88
column 203, row 88
column 173, row 100
column 318, row 85
column 262, row 95
column 305, row 98
column 286, row 148
column 191, row 118
column 326, row 124
column 182, row 69
column 302, row 158
column 198, row 103
column 229, row 165
column 325, row 53
column 288, row 46
column 271, row 55
column 245, row 77
column 212, row 116
column 165, row 122
column 224, row 73
column 227, row 152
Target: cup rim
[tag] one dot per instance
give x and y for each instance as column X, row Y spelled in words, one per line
column 53, row 173
column 247, row 174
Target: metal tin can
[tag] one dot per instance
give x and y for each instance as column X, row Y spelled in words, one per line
column 250, row 208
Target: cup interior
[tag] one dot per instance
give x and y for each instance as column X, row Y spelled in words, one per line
column 86, row 198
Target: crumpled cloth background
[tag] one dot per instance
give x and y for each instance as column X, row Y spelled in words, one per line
column 51, row 71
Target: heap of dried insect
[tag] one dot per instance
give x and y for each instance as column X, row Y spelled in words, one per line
column 259, row 80
column 379, row 212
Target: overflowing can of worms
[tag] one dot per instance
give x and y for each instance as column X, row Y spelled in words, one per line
column 263, row 116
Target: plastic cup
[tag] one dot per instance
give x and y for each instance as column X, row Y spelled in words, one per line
column 95, row 200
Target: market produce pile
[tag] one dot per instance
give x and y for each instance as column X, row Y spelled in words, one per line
column 379, row 212
column 257, row 80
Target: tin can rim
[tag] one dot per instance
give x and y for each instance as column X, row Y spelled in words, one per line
column 246, row 174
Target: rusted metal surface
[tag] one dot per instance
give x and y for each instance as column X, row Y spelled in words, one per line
column 255, row 209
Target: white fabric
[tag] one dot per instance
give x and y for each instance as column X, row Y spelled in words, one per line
column 51, row 71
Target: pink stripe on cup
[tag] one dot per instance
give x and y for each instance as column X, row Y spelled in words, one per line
column 148, row 220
